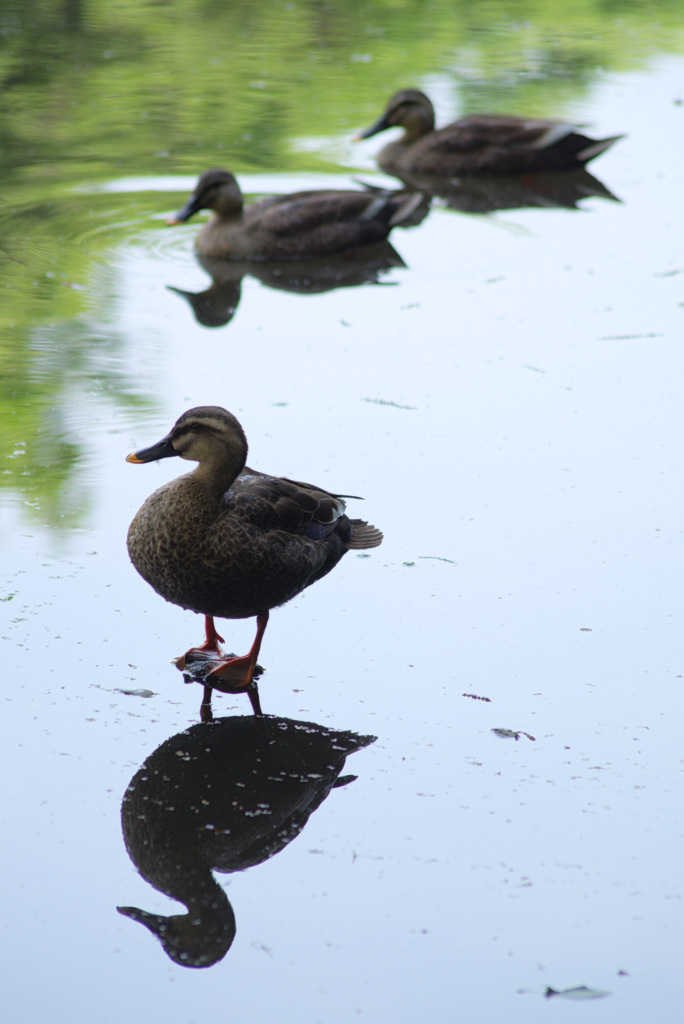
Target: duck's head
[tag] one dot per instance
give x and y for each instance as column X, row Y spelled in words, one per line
column 206, row 434
column 216, row 190
column 191, row 940
column 410, row 109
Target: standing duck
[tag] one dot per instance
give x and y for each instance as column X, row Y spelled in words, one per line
column 227, row 541
column 291, row 227
column 479, row 144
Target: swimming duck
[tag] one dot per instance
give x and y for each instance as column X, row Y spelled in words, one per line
column 479, row 144
column 227, row 541
column 290, row 227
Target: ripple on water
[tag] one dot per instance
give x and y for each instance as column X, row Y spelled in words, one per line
column 162, row 243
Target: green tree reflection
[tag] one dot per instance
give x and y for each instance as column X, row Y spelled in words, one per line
column 93, row 91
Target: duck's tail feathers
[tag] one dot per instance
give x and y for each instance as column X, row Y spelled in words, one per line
column 412, row 202
column 600, row 146
column 363, row 536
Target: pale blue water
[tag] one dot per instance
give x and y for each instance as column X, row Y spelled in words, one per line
column 509, row 405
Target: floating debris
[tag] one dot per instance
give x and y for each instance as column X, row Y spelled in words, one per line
column 383, row 401
column 439, row 558
column 628, row 337
column 511, row 734
column 135, row 693
column 474, row 696
column 578, row 993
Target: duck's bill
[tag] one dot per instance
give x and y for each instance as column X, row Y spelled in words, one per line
column 192, row 206
column 379, row 126
column 149, row 920
column 162, row 450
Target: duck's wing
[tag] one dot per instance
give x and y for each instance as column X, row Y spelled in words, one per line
column 329, row 516
column 304, row 212
column 297, row 508
column 499, row 131
column 275, row 503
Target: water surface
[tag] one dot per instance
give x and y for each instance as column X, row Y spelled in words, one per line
column 507, row 401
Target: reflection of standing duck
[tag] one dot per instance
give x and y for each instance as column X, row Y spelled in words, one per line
column 223, row 797
column 227, row 541
column 290, row 227
column 478, row 144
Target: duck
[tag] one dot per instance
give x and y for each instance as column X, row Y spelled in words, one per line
column 479, row 143
column 223, row 797
column 301, row 225
column 227, row 541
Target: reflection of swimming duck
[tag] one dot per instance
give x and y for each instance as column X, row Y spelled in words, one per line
column 296, row 226
column 480, row 193
column 227, row 541
column 479, row 144
column 223, row 797
column 216, row 306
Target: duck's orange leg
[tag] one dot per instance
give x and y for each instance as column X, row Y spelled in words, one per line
column 210, row 645
column 212, row 637
column 206, row 714
column 236, row 674
column 229, row 675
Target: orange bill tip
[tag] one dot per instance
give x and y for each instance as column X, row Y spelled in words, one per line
column 134, row 458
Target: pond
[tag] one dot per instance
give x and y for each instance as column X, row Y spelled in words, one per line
column 503, row 388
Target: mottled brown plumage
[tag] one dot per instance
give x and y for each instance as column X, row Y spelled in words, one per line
column 290, row 227
column 479, row 144
column 227, row 541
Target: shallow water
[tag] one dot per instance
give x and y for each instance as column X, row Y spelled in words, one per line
column 508, row 404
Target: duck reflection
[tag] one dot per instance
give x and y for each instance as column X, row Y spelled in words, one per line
column 481, row 194
column 223, row 796
column 216, row 305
